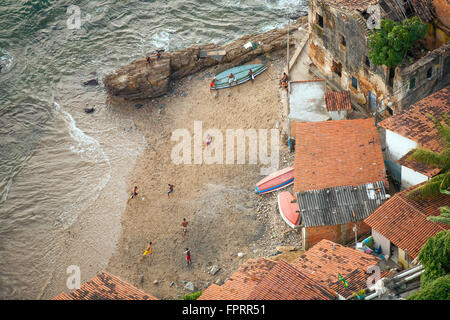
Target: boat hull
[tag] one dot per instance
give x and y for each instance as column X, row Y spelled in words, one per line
column 240, row 73
column 288, row 209
column 276, row 181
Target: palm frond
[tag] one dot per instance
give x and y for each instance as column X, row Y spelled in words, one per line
column 444, row 217
column 427, row 157
column 428, row 190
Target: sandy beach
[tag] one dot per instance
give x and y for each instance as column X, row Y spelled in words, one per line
column 225, row 214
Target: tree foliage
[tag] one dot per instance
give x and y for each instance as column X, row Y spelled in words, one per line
column 391, row 42
column 192, row 296
column 438, row 289
column 435, row 257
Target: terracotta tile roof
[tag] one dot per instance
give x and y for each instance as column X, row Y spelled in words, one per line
column 404, row 221
column 323, row 263
column 414, row 123
column 285, row 282
column 337, row 153
column 359, row 5
column 418, row 166
column 242, row 282
column 337, row 101
column 357, row 280
column 106, row 286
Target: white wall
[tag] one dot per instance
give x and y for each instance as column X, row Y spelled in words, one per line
column 411, row 178
column 397, row 145
column 381, row 240
column 338, row 115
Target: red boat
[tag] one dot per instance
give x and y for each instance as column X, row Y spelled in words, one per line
column 288, row 208
column 276, row 180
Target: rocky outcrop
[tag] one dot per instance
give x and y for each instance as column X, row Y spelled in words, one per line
column 140, row 80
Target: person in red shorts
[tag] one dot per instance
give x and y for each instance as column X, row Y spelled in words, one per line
column 188, row 256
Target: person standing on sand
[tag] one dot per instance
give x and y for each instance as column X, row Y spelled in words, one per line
column 133, row 193
column 208, row 140
column 212, row 84
column 149, row 60
column 148, row 250
column 184, row 227
column 171, row 186
column 188, row 256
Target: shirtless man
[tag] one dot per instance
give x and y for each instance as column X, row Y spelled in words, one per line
column 133, row 193
column 184, row 227
column 231, row 78
column 188, row 256
column 283, row 79
column 250, row 74
column 171, row 186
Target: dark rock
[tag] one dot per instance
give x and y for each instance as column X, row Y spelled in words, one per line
column 89, row 110
column 92, row 82
column 138, row 106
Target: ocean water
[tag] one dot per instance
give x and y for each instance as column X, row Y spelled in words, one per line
column 62, row 169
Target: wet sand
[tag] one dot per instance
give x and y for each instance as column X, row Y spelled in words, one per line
column 225, row 214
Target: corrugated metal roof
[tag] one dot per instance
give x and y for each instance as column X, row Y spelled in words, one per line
column 334, row 206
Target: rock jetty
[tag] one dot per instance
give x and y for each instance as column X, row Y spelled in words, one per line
column 141, row 80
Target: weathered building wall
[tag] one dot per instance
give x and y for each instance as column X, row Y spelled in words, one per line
column 429, row 74
column 328, row 52
column 370, row 85
column 342, row 234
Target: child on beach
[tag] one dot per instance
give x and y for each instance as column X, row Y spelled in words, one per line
column 212, row 84
column 184, row 227
column 231, row 78
column 149, row 60
column 171, row 186
column 188, row 256
column 208, row 139
column 133, row 193
column 250, row 74
column 148, row 250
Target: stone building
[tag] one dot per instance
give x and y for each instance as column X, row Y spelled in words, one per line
column 339, row 47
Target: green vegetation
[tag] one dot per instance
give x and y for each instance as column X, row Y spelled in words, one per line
column 391, row 42
column 440, row 184
column 192, row 296
column 438, row 289
column 435, row 257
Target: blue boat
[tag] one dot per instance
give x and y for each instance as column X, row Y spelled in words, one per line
column 240, row 73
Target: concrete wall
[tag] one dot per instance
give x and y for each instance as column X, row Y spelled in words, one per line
column 411, row 178
column 338, row 115
column 379, row 239
column 397, row 145
column 342, row 234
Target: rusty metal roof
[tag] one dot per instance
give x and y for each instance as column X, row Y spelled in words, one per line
column 335, row 206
